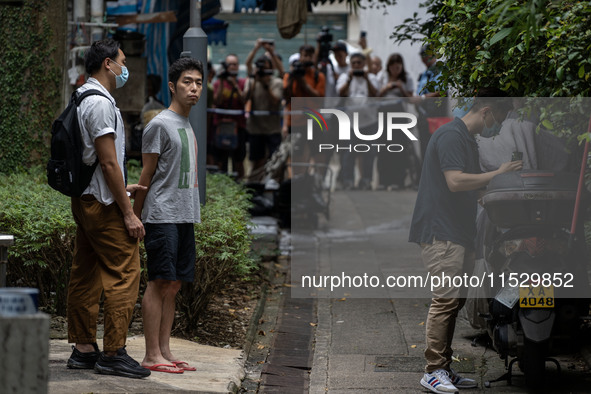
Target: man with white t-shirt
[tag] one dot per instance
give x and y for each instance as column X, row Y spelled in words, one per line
column 357, row 83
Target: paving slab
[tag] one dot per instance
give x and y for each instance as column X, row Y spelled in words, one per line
column 219, row 370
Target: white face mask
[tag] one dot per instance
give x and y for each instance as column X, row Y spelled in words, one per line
column 120, row 79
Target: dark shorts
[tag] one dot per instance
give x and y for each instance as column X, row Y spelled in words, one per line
column 171, row 251
column 262, row 146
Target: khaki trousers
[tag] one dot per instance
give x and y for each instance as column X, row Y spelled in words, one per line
column 453, row 260
column 106, row 260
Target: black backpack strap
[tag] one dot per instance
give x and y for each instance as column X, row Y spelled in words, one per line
column 90, row 92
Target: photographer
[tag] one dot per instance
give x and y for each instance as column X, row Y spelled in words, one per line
column 269, row 46
column 303, row 80
column 264, row 91
column 331, row 71
column 357, row 82
column 340, row 54
column 230, row 138
column 322, row 60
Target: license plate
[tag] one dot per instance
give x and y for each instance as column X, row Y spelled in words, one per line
column 536, row 297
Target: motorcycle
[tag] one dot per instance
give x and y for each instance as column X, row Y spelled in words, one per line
column 539, row 277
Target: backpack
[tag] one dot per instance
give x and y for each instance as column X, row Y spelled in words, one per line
column 66, row 172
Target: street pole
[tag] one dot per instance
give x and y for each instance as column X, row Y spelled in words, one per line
column 195, row 46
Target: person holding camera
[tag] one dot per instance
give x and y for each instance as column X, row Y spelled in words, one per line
column 357, row 82
column 394, row 82
column 269, row 46
column 230, row 129
column 264, row 91
column 303, row 80
column 331, row 70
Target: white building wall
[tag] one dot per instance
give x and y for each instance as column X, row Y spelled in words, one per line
column 379, row 25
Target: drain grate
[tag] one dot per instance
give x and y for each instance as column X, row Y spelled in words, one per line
column 399, row 364
column 416, row 364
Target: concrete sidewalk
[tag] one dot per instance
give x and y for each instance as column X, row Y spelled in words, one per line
column 376, row 345
column 218, row 371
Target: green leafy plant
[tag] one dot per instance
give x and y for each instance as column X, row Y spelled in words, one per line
column 30, row 83
column 41, row 222
column 527, row 47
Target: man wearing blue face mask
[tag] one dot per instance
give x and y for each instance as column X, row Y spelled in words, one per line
column 491, row 131
column 106, row 251
column 444, row 225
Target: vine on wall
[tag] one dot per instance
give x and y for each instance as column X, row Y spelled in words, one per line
column 30, row 82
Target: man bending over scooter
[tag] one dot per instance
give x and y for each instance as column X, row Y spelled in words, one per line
column 444, row 225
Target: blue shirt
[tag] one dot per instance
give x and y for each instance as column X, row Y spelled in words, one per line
column 431, row 74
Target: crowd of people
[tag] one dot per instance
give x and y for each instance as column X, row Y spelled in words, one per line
column 251, row 115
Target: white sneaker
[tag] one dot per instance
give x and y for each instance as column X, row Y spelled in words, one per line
column 439, row 382
column 461, row 382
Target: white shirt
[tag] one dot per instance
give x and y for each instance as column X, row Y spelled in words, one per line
column 97, row 116
column 358, row 86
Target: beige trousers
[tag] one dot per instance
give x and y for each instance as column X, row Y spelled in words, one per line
column 444, row 257
column 106, row 261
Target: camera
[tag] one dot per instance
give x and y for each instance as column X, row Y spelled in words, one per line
column 299, row 68
column 324, row 39
column 262, row 68
column 226, row 73
column 358, row 73
column 269, row 41
column 324, row 35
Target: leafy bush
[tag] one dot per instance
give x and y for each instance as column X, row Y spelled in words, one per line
column 41, row 221
column 529, row 48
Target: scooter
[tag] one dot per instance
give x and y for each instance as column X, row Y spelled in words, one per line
column 541, row 291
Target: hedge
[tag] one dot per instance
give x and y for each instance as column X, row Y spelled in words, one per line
column 41, row 222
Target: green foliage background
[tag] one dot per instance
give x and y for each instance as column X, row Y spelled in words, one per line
column 530, row 48
column 30, row 83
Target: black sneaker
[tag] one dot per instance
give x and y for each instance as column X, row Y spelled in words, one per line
column 79, row 360
column 120, row 365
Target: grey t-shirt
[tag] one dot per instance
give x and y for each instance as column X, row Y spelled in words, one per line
column 173, row 196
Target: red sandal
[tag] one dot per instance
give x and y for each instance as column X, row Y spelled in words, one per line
column 187, row 368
